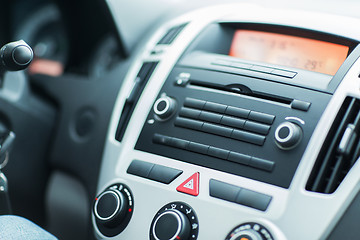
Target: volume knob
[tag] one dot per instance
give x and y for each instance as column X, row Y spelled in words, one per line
column 164, row 107
column 288, row 135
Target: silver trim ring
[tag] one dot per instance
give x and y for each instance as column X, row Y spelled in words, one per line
column 6, row 160
column 159, row 113
column 173, row 212
column 97, row 202
column 289, row 136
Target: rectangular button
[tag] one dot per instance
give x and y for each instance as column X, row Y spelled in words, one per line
column 257, row 127
column 161, row 139
column 253, row 199
column 163, row 174
column 262, row 164
column 241, row 65
column 221, row 62
column 210, row 117
column 239, row 158
column 218, row 130
column 198, row 147
column 248, row 137
column 282, row 73
column 300, row 105
column 140, row 168
column 194, row 103
column 233, row 122
column 261, row 117
column 188, row 123
column 262, row 69
column 218, row 152
column 190, row 113
column 180, row 143
column 223, row 190
column 237, row 112
column 215, row 107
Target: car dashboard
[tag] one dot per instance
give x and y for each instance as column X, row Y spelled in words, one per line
column 168, row 120
column 235, row 122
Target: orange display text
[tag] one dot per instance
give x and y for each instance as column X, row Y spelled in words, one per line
column 291, row 51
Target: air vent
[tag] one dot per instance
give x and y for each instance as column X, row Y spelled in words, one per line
column 142, row 78
column 171, row 34
column 340, row 150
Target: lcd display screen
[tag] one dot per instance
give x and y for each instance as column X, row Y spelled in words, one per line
column 286, row 50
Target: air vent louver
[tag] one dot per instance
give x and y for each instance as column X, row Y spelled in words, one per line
column 340, row 150
column 171, row 34
column 142, row 78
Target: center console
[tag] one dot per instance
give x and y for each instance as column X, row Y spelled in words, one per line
column 235, row 125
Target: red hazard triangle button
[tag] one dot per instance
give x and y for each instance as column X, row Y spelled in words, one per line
column 190, row 186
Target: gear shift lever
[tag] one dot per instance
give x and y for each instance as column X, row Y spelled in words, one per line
column 15, row 56
column 6, row 141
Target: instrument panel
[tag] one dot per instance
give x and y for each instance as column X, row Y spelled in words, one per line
column 218, row 126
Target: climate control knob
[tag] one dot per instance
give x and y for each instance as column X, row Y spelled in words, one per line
column 171, row 225
column 246, row 235
column 288, row 135
column 110, row 207
column 164, row 107
column 249, row 231
column 113, row 209
column 174, row 221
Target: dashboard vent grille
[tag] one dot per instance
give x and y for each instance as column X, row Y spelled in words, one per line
column 171, row 34
column 141, row 80
column 340, row 150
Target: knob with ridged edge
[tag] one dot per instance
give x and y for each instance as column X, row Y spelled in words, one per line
column 110, row 207
column 288, row 135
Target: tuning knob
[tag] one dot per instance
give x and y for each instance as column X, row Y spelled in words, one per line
column 164, row 107
column 288, row 135
column 171, row 225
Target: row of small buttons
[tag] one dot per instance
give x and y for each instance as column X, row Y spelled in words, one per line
column 229, row 110
column 220, row 130
column 225, row 120
column 255, row 68
column 212, row 151
column 239, row 195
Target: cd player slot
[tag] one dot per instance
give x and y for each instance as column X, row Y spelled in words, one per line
column 241, row 90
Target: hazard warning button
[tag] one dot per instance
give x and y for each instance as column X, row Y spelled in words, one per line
column 190, row 185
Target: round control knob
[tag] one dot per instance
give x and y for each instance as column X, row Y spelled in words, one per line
column 171, row 225
column 249, row 231
column 110, row 208
column 288, row 135
column 247, row 234
column 16, row 56
column 164, row 107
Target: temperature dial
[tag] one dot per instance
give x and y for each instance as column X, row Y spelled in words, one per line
column 249, row 231
column 113, row 209
column 174, row 221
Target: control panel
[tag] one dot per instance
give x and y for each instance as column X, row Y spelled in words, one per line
column 216, row 143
